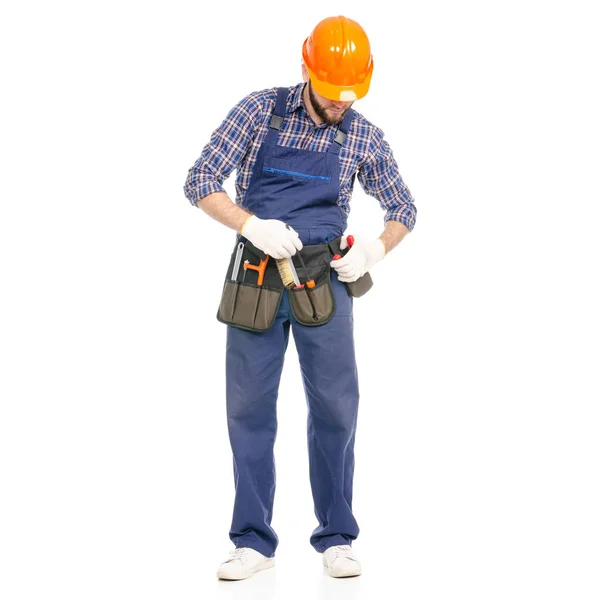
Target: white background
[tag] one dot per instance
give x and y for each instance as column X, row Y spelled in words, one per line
column 477, row 450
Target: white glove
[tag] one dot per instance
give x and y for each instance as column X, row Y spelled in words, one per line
column 360, row 258
column 273, row 237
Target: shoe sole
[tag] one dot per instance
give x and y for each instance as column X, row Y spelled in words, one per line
column 265, row 564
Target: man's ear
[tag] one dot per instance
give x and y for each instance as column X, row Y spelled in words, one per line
column 305, row 75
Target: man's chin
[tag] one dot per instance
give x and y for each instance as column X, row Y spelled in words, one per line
column 335, row 118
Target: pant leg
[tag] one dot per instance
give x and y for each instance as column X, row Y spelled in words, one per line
column 330, row 379
column 254, row 365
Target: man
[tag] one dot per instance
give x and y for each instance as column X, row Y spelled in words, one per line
column 297, row 151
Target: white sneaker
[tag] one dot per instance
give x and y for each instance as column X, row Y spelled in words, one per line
column 341, row 562
column 243, row 563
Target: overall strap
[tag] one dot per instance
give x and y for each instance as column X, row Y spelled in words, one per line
column 277, row 116
column 341, row 133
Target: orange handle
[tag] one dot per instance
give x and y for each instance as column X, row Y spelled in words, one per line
column 260, row 269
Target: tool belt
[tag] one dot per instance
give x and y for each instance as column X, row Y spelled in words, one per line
column 253, row 288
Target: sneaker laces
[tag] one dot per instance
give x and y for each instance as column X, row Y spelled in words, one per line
column 238, row 554
column 342, row 551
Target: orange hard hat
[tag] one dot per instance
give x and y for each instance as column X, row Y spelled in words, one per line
column 338, row 57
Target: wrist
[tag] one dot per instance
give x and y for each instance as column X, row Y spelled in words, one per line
column 383, row 249
column 247, row 224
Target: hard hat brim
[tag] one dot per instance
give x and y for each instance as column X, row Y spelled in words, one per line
column 341, row 93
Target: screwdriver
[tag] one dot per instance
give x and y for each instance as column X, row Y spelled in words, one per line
column 311, row 282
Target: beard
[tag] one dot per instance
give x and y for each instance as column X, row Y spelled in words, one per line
column 322, row 112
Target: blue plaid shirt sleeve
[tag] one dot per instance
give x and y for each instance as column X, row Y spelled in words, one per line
column 225, row 150
column 379, row 177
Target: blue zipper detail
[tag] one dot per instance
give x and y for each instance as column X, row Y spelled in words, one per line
column 304, row 175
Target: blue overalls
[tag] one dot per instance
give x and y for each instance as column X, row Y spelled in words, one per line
column 301, row 188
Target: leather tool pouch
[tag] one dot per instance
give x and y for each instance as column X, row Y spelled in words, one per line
column 244, row 303
column 363, row 284
column 313, row 306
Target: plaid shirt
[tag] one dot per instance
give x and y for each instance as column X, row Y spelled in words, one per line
column 236, row 142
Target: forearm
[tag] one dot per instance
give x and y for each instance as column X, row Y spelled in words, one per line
column 393, row 234
column 220, row 207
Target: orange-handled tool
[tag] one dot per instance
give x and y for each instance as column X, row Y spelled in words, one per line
column 311, row 282
column 350, row 241
column 260, row 268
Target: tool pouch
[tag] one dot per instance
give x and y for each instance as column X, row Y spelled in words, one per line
column 244, row 303
column 313, row 306
column 363, row 284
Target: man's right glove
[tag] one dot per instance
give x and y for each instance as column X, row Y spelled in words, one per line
column 273, row 237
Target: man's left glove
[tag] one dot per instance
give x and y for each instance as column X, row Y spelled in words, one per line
column 363, row 254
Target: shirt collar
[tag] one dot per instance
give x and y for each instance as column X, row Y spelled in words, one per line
column 295, row 100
